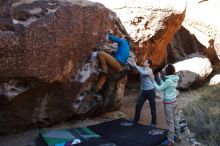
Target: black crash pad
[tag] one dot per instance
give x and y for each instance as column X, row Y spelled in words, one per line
column 121, row 132
column 125, row 133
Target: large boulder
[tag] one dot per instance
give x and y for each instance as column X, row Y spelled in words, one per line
column 44, row 46
column 52, row 39
column 192, row 74
column 215, row 80
column 151, row 24
column 201, row 21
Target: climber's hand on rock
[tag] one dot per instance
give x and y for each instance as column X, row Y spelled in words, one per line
column 109, row 31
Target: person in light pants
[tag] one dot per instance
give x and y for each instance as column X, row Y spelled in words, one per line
column 168, row 86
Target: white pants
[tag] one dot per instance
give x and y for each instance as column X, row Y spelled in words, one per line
column 172, row 121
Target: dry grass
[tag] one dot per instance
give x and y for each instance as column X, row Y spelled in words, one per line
column 203, row 115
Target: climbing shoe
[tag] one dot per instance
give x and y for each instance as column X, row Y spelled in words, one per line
column 105, row 71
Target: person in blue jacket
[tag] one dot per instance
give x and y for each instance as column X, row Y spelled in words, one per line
column 115, row 61
column 168, row 86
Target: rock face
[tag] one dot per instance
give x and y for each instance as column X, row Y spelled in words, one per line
column 155, row 27
column 49, row 43
column 215, row 80
column 44, row 46
column 151, row 24
column 199, row 34
column 201, row 21
column 191, row 74
column 183, row 44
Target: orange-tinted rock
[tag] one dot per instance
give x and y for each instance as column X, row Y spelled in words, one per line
column 155, row 47
column 151, row 24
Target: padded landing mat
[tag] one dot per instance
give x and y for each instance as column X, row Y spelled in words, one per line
column 63, row 137
column 124, row 133
column 97, row 142
column 118, row 132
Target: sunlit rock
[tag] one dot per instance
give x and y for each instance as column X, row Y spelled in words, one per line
column 151, row 24
column 45, row 47
column 215, row 80
column 193, row 71
column 201, row 19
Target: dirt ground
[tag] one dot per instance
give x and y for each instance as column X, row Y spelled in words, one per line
column 30, row 137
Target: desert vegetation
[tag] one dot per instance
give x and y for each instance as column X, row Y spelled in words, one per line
column 203, row 115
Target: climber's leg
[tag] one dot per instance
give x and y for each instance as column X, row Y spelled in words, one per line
column 108, row 61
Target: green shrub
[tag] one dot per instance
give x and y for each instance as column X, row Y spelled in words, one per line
column 203, row 115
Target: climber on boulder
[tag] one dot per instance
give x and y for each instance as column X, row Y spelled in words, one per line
column 116, row 61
